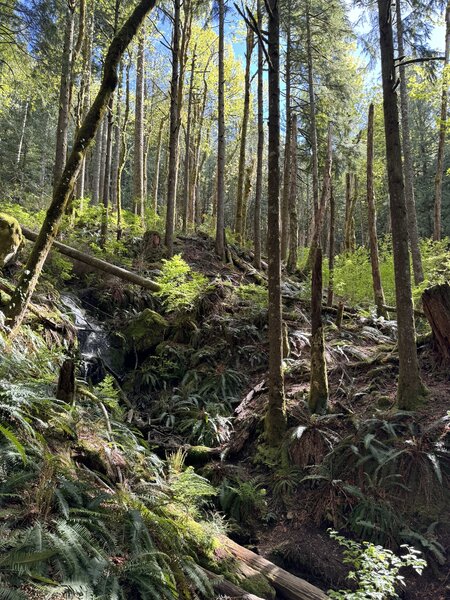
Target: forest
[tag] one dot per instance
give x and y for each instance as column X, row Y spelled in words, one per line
column 224, row 299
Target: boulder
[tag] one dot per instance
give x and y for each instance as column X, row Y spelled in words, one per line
column 146, row 330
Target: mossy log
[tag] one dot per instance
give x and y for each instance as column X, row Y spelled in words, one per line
column 288, row 585
column 226, row 588
column 97, row 263
column 436, row 305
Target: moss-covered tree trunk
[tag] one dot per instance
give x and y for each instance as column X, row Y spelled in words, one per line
column 220, row 199
column 410, row 387
column 22, row 295
column 285, row 228
column 331, row 243
column 318, row 394
column 275, row 421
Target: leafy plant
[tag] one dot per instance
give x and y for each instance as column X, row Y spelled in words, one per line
column 243, row 501
column 181, row 287
column 376, row 569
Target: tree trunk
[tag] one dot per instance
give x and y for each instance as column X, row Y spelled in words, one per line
column 293, row 217
column 107, row 176
column 220, row 203
column 410, row 387
column 62, row 130
column 408, row 158
column 22, row 132
column 174, row 126
column 275, row 421
column 350, row 200
column 187, row 214
column 442, row 134
column 158, row 165
column 97, row 263
column 318, row 395
column 260, row 151
column 331, row 243
column 312, row 114
column 65, row 390
column 239, row 221
column 123, row 152
column 372, row 223
column 285, row 205
column 138, row 164
column 96, row 164
column 320, row 214
column 436, row 305
column 21, row 297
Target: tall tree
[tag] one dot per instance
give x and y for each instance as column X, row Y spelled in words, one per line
column 240, row 204
column 318, row 392
column 260, row 150
column 293, row 217
column 21, row 296
column 410, row 387
column 437, row 231
column 220, row 202
column 287, row 146
column 407, row 157
column 372, row 222
column 275, row 421
column 138, row 163
column 174, row 127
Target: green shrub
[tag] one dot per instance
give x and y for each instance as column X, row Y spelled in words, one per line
column 256, row 295
column 181, row 287
column 376, row 569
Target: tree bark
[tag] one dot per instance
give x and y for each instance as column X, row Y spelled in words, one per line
column 158, row 165
column 331, row 243
column 174, row 128
column 372, row 223
column 65, row 390
column 410, row 387
column 220, row 203
column 63, row 190
column 312, row 115
column 436, row 305
column 275, row 421
column 240, row 216
column 293, row 217
column 187, row 214
column 442, row 134
column 123, row 153
column 408, row 158
column 62, row 129
column 285, row 205
column 260, row 150
column 96, row 164
column 138, row 164
column 318, row 395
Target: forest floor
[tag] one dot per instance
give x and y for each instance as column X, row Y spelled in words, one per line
column 364, row 469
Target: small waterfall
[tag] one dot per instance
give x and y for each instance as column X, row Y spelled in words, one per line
column 93, row 340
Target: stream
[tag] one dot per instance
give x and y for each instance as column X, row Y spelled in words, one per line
column 94, row 341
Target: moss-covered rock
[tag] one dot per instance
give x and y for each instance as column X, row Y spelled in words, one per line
column 147, row 330
column 10, row 238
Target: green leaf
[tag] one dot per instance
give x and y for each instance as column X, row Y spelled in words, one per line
column 9, row 435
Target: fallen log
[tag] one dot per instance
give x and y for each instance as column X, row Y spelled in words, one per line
column 393, row 309
column 290, row 586
column 226, row 588
column 436, row 305
column 97, row 263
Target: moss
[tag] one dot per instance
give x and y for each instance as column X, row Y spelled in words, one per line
column 10, row 237
column 147, row 330
column 259, row 586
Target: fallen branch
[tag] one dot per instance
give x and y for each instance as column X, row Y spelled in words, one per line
column 393, row 309
column 97, row 263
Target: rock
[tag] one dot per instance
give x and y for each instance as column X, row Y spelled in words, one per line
column 10, row 238
column 147, row 330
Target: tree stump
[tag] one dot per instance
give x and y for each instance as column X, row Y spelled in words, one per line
column 66, row 382
column 436, row 306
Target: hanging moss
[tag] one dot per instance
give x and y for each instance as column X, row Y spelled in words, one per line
column 10, row 238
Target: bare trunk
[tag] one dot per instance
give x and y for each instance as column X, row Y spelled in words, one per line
column 331, row 242
column 260, row 151
column 318, row 394
column 372, row 223
column 293, row 217
column 96, row 164
column 220, row 204
column 22, row 132
column 158, row 165
column 312, row 115
column 123, row 153
column 107, row 177
column 408, row 159
column 173, row 132
column 442, row 134
column 138, row 165
column 410, row 388
column 275, row 420
column 187, row 214
column 62, row 130
column 63, row 190
column 287, row 148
